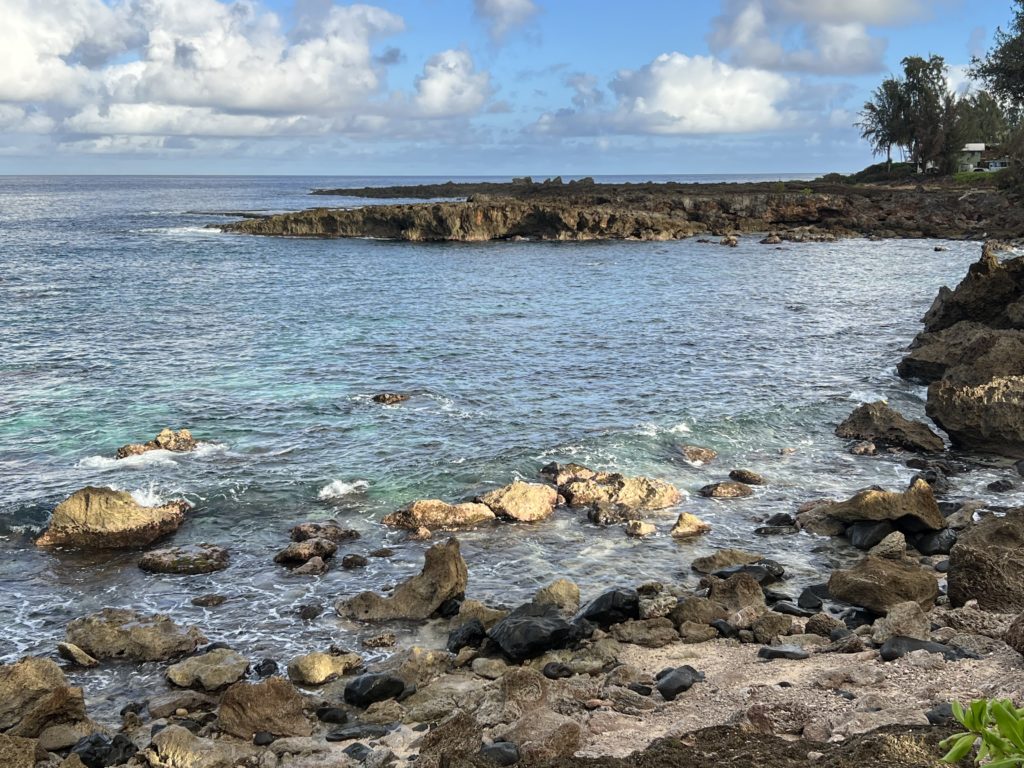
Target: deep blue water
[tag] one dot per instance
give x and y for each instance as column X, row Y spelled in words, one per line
column 120, row 314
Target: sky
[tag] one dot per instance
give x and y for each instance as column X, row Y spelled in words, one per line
column 460, row 87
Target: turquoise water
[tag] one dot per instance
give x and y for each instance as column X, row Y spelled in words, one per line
column 120, row 314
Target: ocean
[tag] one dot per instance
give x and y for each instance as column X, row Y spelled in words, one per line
column 121, row 313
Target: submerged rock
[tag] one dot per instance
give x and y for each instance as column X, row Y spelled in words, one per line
column 747, row 477
column 913, row 510
column 444, row 576
column 390, row 398
column 687, row 526
column 697, row 455
column 879, row 584
column 522, row 502
column 723, row 558
column 299, row 552
column 272, row 705
column 880, row 424
column 436, row 514
column 102, row 518
column 330, row 530
column 730, row 489
column 987, row 564
column 188, row 559
column 116, row 633
column 167, row 440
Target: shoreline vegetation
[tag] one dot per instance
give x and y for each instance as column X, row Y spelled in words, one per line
column 821, row 210
column 856, row 671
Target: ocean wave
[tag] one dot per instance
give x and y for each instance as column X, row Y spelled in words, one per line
column 338, row 488
column 186, row 230
column 203, row 450
column 147, row 497
column 148, row 459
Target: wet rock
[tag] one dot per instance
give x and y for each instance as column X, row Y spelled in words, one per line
column 354, row 561
column 631, row 492
column 390, row 398
column 209, row 601
column 74, row 654
column 299, row 552
column 723, row 558
column 747, row 477
column 167, row 440
column 330, row 530
column 501, row 753
column 883, row 426
column 902, row 620
column 677, row 681
column 638, row 529
column 790, row 652
column 987, row 564
column 531, row 630
column 115, row 633
column 371, row 688
column 810, row 600
column 561, row 593
column 896, row 647
column 764, row 571
column 444, row 576
column 469, row 635
column 381, row 640
column 210, row 671
column 434, row 514
column 933, row 542
column 729, row 489
column 272, row 705
column 697, row 455
column 163, row 705
column 878, row 584
column 522, row 502
column 315, row 566
column 35, row 697
column 102, row 518
column 188, row 559
column 688, row 526
column 867, row 535
column 649, row 633
column 613, row 607
column 1001, row 486
column 863, row 448
column 913, row 510
column 604, row 513
column 893, row 546
column 100, row 751
column 318, row 668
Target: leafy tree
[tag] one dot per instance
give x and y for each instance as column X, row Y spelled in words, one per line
column 983, row 118
column 926, row 106
column 1002, row 69
column 881, row 121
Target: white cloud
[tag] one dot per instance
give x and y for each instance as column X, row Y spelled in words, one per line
column 810, row 35
column 17, row 120
column 503, row 16
column 678, row 94
column 450, row 85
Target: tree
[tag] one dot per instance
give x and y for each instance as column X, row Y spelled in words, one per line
column 925, row 107
column 881, row 121
column 1002, row 69
column 983, row 118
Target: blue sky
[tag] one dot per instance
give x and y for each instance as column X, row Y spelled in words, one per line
column 452, row 87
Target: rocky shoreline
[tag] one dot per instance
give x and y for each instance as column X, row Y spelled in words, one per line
column 856, row 670
column 584, row 210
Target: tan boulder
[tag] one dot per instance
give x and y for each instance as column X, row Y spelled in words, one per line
column 272, row 705
column 115, row 633
column 723, row 558
column 630, row 492
column 523, row 502
column 688, row 526
column 561, row 593
column 916, row 506
column 987, row 417
column 436, row 514
column 210, row 671
column 17, row 752
column 318, row 668
column 102, row 518
column 639, row 529
column 879, row 584
column 698, row 455
column 444, row 576
column 881, row 425
column 729, row 489
column 167, row 440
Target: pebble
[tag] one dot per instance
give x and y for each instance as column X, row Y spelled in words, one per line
column 332, row 715
column 555, row 670
column 263, row 738
column 181, row 712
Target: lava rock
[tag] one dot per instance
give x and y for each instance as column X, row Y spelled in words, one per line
column 373, row 687
column 613, row 607
column 933, row 542
column 99, row 751
column 895, row 647
column 677, row 681
column 469, row 635
column 531, row 630
column 332, row 715
column 263, row 738
column 501, row 753
column 941, row 715
column 555, row 670
column 809, row 600
column 867, row 534
column 358, row 731
column 354, row 561
column 791, row 652
column 265, row 668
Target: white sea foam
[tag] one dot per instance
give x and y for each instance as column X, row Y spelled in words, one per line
column 203, row 450
column 147, row 459
column 148, row 497
column 338, row 488
column 861, row 396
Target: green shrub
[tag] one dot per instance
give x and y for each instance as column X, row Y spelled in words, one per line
column 996, row 726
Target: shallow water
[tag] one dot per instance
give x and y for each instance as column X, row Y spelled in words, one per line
column 120, row 314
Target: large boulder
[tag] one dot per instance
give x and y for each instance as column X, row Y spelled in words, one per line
column 167, row 440
column 102, row 518
column 987, row 564
column 17, row 752
column 882, row 425
column 630, row 492
column 523, row 502
column 879, row 584
column 913, row 510
column 437, row 514
column 210, row 671
column 318, row 668
column 177, row 747
column 35, row 696
column 986, row 417
column 531, row 630
column 116, row 633
column 272, row 706
column 189, row 559
column 966, row 346
column 444, row 576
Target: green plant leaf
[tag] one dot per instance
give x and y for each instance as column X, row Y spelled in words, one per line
column 960, row 748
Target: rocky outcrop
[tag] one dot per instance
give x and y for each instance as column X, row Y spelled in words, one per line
column 913, row 510
column 444, row 576
column 167, row 440
column 883, row 426
column 585, row 487
column 435, row 514
column 971, row 352
column 879, row 584
column 522, row 502
column 272, row 706
column 36, row 702
column 115, row 633
column 189, row 559
column 987, row 564
column 102, row 518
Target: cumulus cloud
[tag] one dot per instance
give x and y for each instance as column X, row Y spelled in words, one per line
column 809, row 35
column 215, row 68
column 504, row 16
column 677, row 94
